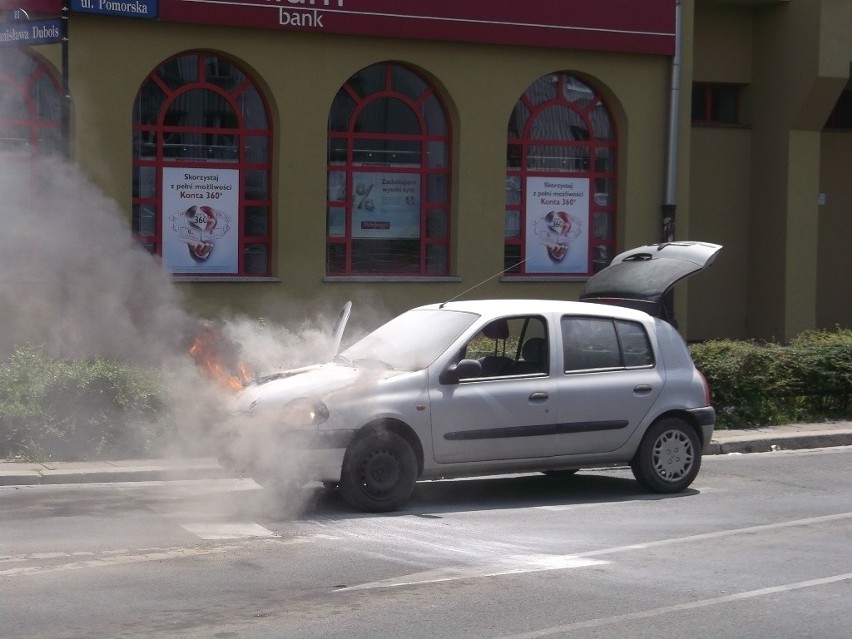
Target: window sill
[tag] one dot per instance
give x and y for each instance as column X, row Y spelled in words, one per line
column 719, row 125
column 230, row 279
column 369, row 279
column 526, row 279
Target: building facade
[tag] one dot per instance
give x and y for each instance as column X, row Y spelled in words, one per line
column 280, row 157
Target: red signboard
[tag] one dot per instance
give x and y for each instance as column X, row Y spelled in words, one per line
column 638, row 26
column 45, row 7
column 644, row 26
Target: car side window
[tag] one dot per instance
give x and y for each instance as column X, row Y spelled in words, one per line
column 594, row 343
column 511, row 346
column 588, row 343
column 635, row 344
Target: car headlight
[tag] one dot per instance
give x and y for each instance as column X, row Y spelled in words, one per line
column 304, row 411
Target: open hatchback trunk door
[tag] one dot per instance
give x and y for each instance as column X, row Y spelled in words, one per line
column 642, row 277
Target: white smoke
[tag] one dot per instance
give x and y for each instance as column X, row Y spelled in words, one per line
column 71, row 277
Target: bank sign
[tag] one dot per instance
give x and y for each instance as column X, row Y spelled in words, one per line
column 633, row 26
column 639, row 26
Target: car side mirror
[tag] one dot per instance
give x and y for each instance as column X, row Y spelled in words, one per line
column 465, row 369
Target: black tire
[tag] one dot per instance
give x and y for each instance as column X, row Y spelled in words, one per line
column 379, row 472
column 669, row 456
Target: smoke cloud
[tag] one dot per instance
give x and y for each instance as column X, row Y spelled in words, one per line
column 74, row 283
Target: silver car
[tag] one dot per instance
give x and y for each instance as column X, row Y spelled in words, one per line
column 496, row 386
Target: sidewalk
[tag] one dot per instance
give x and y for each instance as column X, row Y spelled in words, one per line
column 756, row 440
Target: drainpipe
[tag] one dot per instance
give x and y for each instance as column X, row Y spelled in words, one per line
column 65, row 121
column 669, row 207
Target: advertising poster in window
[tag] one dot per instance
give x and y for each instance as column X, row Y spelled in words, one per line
column 200, row 210
column 557, row 228
column 385, row 205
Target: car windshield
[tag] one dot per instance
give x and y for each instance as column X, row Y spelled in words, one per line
column 412, row 340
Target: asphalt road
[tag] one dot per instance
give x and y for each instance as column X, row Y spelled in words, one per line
column 758, row 548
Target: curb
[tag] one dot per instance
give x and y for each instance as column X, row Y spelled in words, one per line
column 779, row 441
column 107, row 472
column 771, row 439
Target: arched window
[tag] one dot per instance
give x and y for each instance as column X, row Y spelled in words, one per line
column 201, row 168
column 30, row 107
column 388, row 176
column 560, row 180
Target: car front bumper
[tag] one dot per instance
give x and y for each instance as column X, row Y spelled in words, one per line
column 291, row 455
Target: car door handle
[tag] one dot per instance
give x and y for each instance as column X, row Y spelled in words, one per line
column 539, row 397
column 643, row 389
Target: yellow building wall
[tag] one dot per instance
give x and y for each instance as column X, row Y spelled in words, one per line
column 719, row 207
column 794, row 89
column 759, row 186
column 834, row 293
column 720, row 174
column 302, row 73
column 722, row 45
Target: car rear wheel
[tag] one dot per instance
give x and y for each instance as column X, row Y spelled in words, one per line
column 669, row 456
column 379, row 472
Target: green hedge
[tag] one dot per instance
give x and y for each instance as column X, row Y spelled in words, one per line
column 73, row 410
column 52, row 408
column 753, row 384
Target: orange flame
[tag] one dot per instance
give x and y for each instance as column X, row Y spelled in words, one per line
column 210, row 350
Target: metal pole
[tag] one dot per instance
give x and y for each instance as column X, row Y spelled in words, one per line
column 669, row 207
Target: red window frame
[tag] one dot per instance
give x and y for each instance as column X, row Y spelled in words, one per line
column 602, row 178
column 428, row 241
column 144, row 128
column 708, row 99
column 39, row 129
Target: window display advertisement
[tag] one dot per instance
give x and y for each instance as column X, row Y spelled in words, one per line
column 385, row 205
column 557, row 225
column 200, row 208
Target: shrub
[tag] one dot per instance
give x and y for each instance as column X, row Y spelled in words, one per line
column 87, row 409
column 755, row 384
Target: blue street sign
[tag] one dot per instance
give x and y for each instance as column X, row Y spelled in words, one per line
column 143, row 9
column 31, row 32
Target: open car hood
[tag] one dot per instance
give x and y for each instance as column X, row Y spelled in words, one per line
column 339, row 328
column 640, row 278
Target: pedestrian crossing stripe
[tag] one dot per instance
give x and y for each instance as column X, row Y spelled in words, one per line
column 228, row 531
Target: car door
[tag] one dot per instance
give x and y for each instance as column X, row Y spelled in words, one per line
column 507, row 411
column 608, row 381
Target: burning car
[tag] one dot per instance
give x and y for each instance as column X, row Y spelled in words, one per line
column 496, row 386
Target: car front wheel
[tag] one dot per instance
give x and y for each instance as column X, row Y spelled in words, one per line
column 379, row 472
column 669, row 456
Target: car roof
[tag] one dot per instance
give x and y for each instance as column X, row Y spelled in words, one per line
column 500, row 307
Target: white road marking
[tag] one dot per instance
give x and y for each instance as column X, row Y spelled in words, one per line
column 109, row 558
column 534, row 563
column 117, row 560
column 719, row 534
column 228, row 531
column 509, row 566
column 664, row 610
